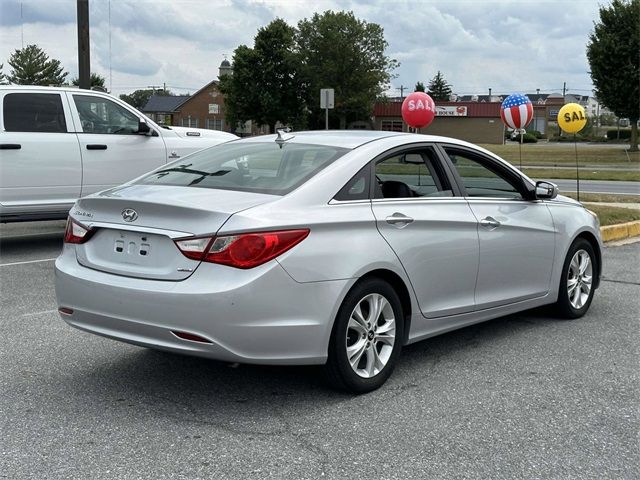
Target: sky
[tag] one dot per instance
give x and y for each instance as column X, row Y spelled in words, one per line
column 508, row 46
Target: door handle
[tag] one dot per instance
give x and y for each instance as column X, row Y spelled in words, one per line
column 399, row 220
column 95, row 146
column 489, row 223
column 10, row 146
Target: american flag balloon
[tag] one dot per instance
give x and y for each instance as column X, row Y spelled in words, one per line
column 516, row 111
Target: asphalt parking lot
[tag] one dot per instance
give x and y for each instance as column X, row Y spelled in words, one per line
column 525, row 396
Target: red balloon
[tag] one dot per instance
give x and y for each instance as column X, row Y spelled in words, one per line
column 418, row 110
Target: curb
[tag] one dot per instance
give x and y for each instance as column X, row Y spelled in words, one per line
column 620, row 231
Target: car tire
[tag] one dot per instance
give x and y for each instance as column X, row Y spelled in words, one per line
column 576, row 288
column 366, row 339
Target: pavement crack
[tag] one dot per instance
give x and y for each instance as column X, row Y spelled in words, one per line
column 620, row 281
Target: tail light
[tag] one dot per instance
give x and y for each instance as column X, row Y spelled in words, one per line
column 246, row 250
column 76, row 233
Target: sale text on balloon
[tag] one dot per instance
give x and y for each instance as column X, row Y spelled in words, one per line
column 420, row 105
column 573, row 116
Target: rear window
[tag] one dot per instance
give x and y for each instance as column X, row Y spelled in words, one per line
column 248, row 167
column 33, row 112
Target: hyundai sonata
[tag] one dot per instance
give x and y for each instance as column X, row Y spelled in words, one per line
column 334, row 248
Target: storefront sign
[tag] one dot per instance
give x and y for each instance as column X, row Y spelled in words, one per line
column 451, row 111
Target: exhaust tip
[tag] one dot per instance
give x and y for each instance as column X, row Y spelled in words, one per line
column 65, row 311
column 192, row 337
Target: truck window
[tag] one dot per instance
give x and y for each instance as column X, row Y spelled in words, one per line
column 99, row 115
column 33, row 112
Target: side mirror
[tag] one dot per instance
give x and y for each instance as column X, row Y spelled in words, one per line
column 546, row 190
column 143, row 128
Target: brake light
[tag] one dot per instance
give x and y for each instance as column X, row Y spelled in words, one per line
column 246, row 250
column 76, row 233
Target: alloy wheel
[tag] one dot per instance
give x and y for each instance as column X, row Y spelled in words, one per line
column 579, row 279
column 371, row 334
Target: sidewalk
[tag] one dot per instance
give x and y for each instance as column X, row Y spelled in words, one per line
column 632, row 206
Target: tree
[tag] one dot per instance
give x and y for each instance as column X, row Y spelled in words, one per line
column 615, row 63
column 266, row 86
column 96, row 80
column 419, row 87
column 439, row 89
column 3, row 77
column 139, row 98
column 341, row 52
column 32, row 66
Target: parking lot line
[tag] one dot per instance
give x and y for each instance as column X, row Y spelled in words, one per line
column 27, row 261
column 39, row 234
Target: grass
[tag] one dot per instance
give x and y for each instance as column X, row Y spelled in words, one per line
column 564, row 155
column 612, row 215
column 622, row 175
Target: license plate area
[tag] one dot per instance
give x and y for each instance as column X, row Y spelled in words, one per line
column 135, row 254
column 134, row 248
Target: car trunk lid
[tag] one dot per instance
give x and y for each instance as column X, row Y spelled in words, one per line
column 136, row 225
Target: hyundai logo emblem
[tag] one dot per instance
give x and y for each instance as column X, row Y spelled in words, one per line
column 129, row 214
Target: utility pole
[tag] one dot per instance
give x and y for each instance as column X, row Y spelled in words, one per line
column 84, row 63
column 402, row 87
column 564, row 92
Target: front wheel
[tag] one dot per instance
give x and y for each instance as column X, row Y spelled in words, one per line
column 576, row 283
column 367, row 337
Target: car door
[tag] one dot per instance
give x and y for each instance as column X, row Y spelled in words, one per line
column 113, row 152
column 40, row 167
column 432, row 231
column 516, row 233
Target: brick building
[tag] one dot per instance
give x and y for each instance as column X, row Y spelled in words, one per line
column 203, row 109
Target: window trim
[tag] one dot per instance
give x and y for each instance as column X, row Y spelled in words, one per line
column 512, row 176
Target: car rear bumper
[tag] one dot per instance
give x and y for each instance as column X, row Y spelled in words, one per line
column 252, row 316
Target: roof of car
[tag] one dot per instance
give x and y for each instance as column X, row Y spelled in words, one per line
column 45, row 88
column 336, row 138
column 349, row 138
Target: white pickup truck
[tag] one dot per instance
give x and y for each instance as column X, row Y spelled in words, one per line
column 58, row 144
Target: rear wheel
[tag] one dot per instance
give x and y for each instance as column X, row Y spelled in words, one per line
column 367, row 337
column 577, row 280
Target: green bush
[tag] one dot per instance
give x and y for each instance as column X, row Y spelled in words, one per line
column 527, row 138
column 536, row 134
column 624, row 134
column 569, row 138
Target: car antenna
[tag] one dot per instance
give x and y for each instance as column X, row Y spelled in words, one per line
column 283, row 135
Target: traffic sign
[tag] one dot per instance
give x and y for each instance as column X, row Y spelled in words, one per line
column 326, row 98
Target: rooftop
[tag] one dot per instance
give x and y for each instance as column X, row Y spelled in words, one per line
column 164, row 103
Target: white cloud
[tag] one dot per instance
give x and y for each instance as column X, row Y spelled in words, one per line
column 506, row 45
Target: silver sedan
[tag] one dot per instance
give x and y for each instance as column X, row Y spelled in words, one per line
column 332, row 248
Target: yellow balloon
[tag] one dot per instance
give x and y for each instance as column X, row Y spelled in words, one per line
column 572, row 118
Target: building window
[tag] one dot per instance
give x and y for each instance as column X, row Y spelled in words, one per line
column 391, row 125
column 214, row 124
column 190, row 122
column 214, row 108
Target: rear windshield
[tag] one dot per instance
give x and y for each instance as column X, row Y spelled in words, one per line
column 248, row 167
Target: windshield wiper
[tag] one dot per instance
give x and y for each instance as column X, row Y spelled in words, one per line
column 193, row 172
